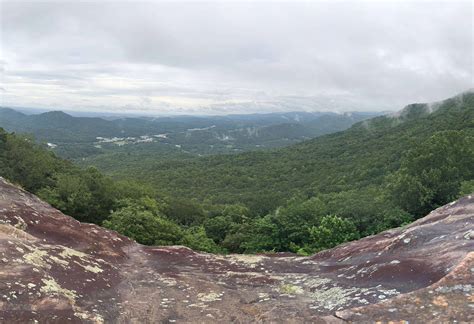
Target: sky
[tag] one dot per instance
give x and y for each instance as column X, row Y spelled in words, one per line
column 233, row 57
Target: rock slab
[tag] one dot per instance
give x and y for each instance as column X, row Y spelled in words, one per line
column 54, row 269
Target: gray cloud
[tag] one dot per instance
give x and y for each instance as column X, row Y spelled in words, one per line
column 228, row 57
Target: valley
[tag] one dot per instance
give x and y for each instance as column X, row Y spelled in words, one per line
column 236, row 162
column 378, row 174
column 94, row 138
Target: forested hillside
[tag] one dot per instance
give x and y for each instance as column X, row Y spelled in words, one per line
column 358, row 158
column 130, row 207
column 379, row 174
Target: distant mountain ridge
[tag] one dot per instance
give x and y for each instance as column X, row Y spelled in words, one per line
column 198, row 134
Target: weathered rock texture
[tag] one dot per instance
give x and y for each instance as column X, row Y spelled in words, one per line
column 54, row 269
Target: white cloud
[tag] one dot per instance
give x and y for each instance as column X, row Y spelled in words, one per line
column 201, row 57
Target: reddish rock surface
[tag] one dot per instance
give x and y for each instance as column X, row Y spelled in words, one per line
column 54, row 269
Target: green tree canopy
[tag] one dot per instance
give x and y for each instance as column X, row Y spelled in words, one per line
column 145, row 225
column 431, row 174
column 332, row 231
column 196, row 239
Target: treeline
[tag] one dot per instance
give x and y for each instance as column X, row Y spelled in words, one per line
column 431, row 174
column 302, row 199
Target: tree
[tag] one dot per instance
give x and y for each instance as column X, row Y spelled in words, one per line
column 467, row 188
column 184, row 211
column 430, row 175
column 129, row 189
column 71, row 195
column 293, row 220
column 196, row 239
column 236, row 213
column 368, row 208
column 218, row 227
column 85, row 195
column 263, row 235
column 391, row 218
column 146, row 226
column 333, row 230
column 27, row 164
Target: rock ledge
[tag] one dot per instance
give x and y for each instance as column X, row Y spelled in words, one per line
column 55, row 269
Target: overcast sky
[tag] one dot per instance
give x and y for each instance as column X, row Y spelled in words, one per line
column 218, row 57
